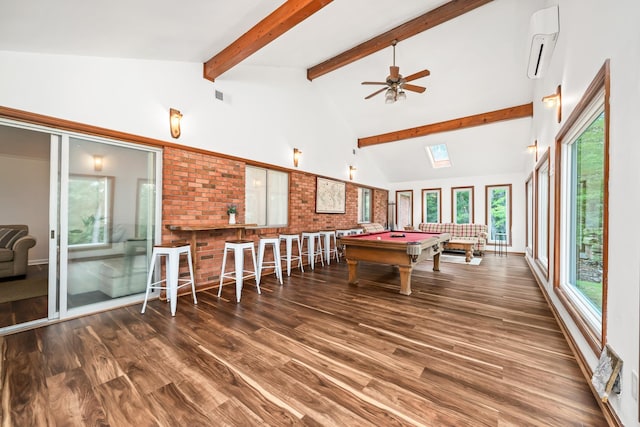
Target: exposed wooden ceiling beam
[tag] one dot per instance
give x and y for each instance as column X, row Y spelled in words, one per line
column 517, row 112
column 437, row 16
column 287, row 16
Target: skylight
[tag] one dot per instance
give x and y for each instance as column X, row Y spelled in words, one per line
column 439, row 155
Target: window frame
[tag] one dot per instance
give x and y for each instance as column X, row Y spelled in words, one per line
column 267, row 224
column 426, row 191
column 542, row 263
column 454, row 205
column 361, row 219
column 509, row 213
column 107, row 220
column 529, row 214
column 600, row 87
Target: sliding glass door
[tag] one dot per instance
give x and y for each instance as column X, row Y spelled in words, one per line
column 110, row 211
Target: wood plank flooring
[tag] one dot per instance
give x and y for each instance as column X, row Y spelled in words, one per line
column 472, row 346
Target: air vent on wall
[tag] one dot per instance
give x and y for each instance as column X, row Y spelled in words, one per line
column 543, row 33
column 219, row 95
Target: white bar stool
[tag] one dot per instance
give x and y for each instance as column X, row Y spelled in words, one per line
column 276, row 263
column 172, row 252
column 289, row 238
column 239, row 273
column 327, row 235
column 314, row 247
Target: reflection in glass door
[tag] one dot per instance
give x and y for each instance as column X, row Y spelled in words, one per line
column 109, row 198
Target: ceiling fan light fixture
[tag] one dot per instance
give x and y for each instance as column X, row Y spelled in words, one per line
column 390, row 96
column 402, row 95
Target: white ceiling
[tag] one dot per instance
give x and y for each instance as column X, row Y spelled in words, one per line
column 477, row 62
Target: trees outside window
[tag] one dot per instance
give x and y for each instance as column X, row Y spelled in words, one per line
column 90, row 207
column 582, row 223
column 498, row 214
column 462, row 205
column 431, row 207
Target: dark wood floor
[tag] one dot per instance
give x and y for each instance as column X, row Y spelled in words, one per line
column 472, row 346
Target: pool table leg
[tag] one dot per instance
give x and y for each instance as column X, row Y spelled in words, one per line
column 405, row 279
column 436, row 262
column 353, row 271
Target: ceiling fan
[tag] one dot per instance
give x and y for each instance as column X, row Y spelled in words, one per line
column 396, row 84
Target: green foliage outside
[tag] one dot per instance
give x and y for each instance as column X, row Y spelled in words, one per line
column 498, row 200
column 87, row 223
column 431, row 202
column 588, row 203
column 463, row 207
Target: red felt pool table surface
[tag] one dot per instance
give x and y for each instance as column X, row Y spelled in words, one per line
column 401, row 248
column 396, row 236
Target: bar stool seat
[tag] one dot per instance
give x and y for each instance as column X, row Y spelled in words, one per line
column 289, row 238
column 172, row 281
column 314, row 247
column 328, row 236
column 239, row 273
column 274, row 241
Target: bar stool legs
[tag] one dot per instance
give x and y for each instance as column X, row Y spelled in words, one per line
column 172, row 280
column 276, row 263
column 289, row 238
column 239, row 274
column 328, row 250
column 314, row 247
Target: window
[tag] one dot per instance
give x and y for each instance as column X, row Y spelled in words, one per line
column 439, row 156
column 542, row 213
column 364, row 205
column 582, row 166
column 462, row 205
column 267, row 197
column 90, row 210
column 529, row 213
column 431, row 208
column 498, row 205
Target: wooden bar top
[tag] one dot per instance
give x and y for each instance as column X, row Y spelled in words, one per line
column 174, row 227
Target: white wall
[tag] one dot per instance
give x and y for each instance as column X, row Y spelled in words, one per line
column 478, row 182
column 590, row 32
column 25, row 200
column 265, row 114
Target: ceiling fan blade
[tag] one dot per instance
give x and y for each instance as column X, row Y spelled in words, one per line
column 375, row 93
column 414, row 88
column 374, row 83
column 394, row 72
column 419, row 74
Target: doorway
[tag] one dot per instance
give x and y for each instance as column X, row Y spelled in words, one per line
column 92, row 205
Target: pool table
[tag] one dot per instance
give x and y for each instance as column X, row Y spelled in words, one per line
column 401, row 248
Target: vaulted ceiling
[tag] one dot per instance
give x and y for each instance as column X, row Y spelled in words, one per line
column 478, row 97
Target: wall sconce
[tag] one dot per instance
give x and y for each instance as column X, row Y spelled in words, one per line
column 352, row 172
column 555, row 100
column 296, row 156
column 174, row 121
column 533, row 148
column 97, row 162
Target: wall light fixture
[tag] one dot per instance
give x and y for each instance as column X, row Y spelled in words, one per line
column 555, row 100
column 174, row 121
column 97, row 162
column 352, row 172
column 296, row 156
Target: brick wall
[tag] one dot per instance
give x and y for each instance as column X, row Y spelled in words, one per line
column 197, row 187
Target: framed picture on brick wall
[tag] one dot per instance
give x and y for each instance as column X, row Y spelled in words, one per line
column 330, row 196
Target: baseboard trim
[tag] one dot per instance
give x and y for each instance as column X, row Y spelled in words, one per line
column 607, row 409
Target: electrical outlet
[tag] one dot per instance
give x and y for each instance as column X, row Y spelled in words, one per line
column 634, row 385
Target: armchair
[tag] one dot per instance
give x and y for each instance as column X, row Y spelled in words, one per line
column 15, row 243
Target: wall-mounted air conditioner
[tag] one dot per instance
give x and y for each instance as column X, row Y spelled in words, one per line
column 543, row 33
